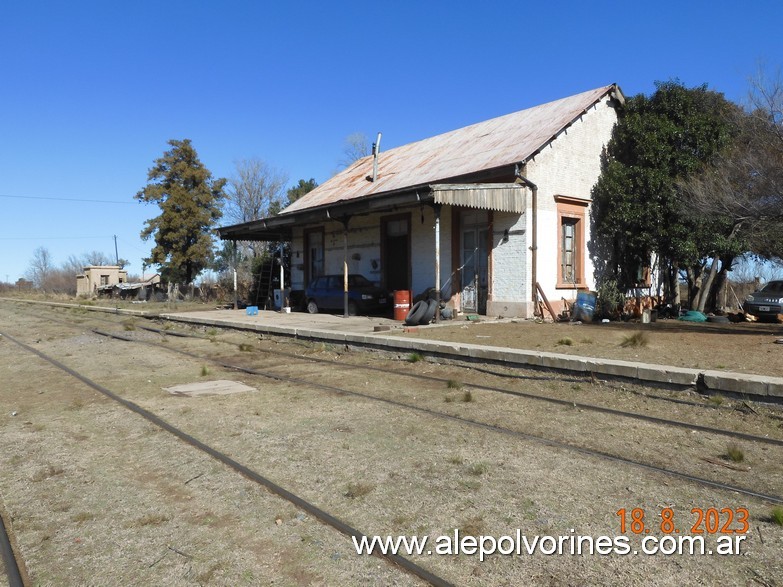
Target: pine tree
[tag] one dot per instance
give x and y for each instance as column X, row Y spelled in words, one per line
column 189, row 200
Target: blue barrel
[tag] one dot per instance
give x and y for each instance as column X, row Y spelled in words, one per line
column 584, row 308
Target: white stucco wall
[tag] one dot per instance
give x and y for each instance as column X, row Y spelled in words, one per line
column 364, row 240
column 423, row 249
column 569, row 166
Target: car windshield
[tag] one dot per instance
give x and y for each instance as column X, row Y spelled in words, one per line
column 774, row 287
column 358, row 281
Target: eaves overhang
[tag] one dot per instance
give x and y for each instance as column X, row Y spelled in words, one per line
column 279, row 228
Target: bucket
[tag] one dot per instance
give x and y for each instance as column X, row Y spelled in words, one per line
column 584, row 308
column 402, row 303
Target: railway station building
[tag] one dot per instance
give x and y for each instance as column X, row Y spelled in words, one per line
column 491, row 215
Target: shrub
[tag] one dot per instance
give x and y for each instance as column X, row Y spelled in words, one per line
column 777, row 515
column 637, row 339
column 734, row 452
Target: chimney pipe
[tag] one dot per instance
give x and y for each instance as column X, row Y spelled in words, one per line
column 376, row 147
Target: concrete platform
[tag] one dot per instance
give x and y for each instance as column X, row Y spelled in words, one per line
column 377, row 332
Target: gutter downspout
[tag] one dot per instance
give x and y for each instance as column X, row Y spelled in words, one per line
column 437, row 208
column 534, row 233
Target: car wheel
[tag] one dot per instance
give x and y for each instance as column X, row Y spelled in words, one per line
column 352, row 309
column 312, row 307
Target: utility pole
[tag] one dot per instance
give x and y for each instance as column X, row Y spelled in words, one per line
column 116, row 254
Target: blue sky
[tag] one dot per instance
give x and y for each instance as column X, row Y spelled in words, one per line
column 90, row 92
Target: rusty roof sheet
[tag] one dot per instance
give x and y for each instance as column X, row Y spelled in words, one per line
column 486, row 145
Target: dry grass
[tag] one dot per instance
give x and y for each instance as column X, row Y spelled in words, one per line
column 83, row 517
column 360, row 489
column 473, row 526
column 566, row 341
column 46, row 473
column 638, row 339
column 478, row 468
column 151, row 520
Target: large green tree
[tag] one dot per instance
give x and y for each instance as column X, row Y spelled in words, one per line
column 638, row 207
column 189, row 199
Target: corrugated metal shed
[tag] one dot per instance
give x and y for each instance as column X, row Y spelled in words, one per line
column 484, row 146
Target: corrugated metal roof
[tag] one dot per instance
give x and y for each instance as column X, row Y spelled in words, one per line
column 487, row 145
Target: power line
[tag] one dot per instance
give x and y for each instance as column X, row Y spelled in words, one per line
column 50, row 238
column 64, row 199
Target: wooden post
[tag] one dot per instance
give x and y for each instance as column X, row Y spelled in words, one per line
column 546, row 302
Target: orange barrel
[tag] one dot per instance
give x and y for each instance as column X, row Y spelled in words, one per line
column 402, row 303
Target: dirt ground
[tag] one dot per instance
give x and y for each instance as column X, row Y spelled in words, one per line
column 743, row 347
column 98, row 496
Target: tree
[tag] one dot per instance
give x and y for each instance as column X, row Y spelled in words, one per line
column 744, row 184
column 300, row 189
column 355, row 146
column 189, row 200
column 638, row 206
column 255, row 191
column 40, row 268
column 96, row 258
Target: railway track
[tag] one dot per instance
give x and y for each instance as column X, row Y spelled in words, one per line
column 520, row 394
column 476, row 423
column 732, row 434
column 498, row 429
column 325, row 517
column 301, row 382
column 11, row 563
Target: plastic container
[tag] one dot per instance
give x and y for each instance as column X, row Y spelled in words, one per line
column 584, row 308
column 402, row 304
column 251, row 310
column 279, row 297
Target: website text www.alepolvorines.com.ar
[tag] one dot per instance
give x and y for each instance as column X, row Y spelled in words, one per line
column 518, row 544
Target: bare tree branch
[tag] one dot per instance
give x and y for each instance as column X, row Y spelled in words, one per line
column 256, row 190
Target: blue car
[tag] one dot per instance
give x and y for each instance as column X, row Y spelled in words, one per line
column 326, row 293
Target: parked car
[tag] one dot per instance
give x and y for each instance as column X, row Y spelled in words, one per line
column 326, row 293
column 767, row 302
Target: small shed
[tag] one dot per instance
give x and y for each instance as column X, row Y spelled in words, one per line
column 95, row 276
